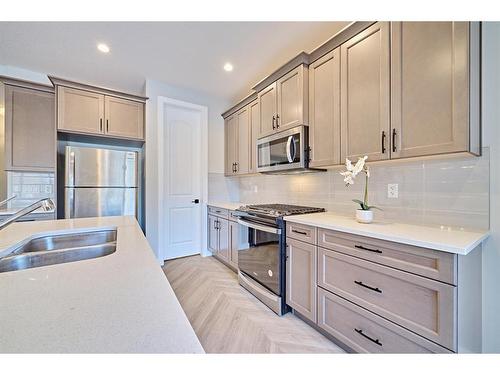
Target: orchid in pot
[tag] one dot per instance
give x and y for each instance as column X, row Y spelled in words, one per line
column 365, row 213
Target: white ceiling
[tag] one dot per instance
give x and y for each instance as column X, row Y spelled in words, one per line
column 186, row 54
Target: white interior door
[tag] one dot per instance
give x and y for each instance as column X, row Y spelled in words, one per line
column 181, row 227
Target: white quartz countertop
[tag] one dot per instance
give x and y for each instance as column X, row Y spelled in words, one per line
column 438, row 238
column 119, row 303
column 227, row 205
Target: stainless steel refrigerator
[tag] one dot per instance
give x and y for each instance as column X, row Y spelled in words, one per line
column 100, row 182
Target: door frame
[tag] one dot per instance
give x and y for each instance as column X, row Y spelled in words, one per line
column 162, row 102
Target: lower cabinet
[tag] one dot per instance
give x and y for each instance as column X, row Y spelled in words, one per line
column 223, row 238
column 366, row 332
column 301, row 278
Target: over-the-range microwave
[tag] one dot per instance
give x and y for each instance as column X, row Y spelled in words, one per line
column 284, row 152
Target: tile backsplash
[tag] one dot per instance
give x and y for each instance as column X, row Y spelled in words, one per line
column 448, row 191
column 29, row 187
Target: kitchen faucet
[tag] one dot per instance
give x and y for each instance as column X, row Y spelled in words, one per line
column 46, row 204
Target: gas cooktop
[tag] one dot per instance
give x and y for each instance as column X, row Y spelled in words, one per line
column 277, row 210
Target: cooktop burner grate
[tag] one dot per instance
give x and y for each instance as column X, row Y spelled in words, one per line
column 281, row 209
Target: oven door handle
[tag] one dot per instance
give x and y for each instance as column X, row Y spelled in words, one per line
column 263, row 228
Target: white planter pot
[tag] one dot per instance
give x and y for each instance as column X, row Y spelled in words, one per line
column 364, row 216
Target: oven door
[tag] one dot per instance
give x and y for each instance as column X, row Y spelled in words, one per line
column 261, row 260
column 282, row 151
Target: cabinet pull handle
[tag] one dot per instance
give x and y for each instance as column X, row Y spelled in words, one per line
column 235, row 167
column 367, row 249
column 383, row 142
column 107, row 126
column 375, row 341
column 274, row 120
column 299, row 232
column 360, row 283
column 393, row 140
column 100, row 125
column 277, row 121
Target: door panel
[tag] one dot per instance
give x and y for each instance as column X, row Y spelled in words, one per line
column 80, row 110
column 223, row 250
column 365, row 93
column 231, row 135
column 213, row 234
column 124, row 118
column 234, row 237
column 254, row 120
column 30, row 139
column 243, row 142
column 182, row 169
column 429, row 87
column 324, row 110
column 292, row 94
column 268, row 109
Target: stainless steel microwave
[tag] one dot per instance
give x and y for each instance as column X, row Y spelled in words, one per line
column 286, row 151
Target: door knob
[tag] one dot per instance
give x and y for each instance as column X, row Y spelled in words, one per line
column 195, row 201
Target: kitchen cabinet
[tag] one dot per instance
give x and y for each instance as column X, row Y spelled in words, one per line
column 218, row 237
column 124, row 118
column 301, row 277
column 213, row 235
column 234, row 243
column 238, row 143
column 95, row 113
column 365, row 88
column 430, row 86
column 283, row 104
column 231, row 139
column 254, row 123
column 324, row 110
column 30, row 135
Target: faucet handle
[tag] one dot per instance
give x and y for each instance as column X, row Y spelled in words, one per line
column 7, row 200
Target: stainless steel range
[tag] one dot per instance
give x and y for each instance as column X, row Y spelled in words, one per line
column 262, row 264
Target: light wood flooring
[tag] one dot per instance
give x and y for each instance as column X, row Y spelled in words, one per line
column 228, row 319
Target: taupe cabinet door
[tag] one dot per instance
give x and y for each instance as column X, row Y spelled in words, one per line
column 231, row 133
column 254, row 120
column 30, row 139
column 124, row 118
column 268, row 109
column 234, row 240
column 80, row 111
column 429, row 77
column 292, row 99
column 365, row 94
column 324, row 110
column 301, row 278
column 243, row 142
column 223, row 248
column 213, row 234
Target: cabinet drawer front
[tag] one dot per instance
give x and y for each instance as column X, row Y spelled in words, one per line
column 366, row 332
column 301, row 232
column 220, row 212
column 424, row 306
column 425, row 262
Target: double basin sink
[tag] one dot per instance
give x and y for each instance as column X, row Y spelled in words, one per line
column 60, row 248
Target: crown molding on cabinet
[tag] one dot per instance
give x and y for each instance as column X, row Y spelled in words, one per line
column 26, row 84
column 241, row 103
column 101, row 90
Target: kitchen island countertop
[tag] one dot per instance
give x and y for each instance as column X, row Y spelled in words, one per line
column 119, row 303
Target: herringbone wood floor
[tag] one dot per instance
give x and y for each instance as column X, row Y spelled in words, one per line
column 228, row 319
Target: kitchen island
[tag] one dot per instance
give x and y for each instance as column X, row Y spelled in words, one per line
column 118, row 303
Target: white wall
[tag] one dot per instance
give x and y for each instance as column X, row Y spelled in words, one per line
column 491, row 138
column 216, row 106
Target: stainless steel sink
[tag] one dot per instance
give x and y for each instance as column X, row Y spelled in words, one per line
column 63, row 248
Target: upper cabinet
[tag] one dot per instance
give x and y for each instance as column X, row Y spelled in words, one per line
column 283, row 104
column 90, row 110
column 30, row 136
column 430, row 86
column 365, row 94
column 239, row 158
column 324, row 110
column 254, row 123
column 231, row 144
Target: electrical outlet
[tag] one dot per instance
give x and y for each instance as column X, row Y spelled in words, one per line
column 392, row 190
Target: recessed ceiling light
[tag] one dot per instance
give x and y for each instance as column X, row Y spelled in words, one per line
column 103, row 47
column 228, row 67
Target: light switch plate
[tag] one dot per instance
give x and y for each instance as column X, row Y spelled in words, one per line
column 392, row 190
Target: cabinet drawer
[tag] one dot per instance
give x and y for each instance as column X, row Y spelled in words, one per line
column 220, row 212
column 425, row 262
column 301, row 232
column 365, row 332
column 424, row 306
column 232, row 216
